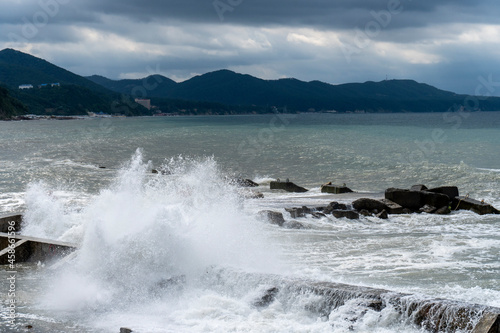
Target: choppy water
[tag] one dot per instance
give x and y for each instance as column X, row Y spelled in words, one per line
column 140, row 231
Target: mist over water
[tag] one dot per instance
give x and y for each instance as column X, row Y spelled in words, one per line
column 178, row 251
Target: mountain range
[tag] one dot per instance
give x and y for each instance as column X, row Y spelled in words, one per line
column 218, row 92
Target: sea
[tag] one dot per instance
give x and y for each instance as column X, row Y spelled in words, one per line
column 168, row 242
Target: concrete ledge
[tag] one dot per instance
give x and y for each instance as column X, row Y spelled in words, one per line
column 32, row 249
column 17, row 218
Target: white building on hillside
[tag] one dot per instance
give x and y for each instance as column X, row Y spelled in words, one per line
column 26, row 86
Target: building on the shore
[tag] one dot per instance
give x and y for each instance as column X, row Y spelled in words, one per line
column 144, row 102
column 26, row 86
column 57, row 84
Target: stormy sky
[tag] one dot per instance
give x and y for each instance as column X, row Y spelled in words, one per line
column 453, row 45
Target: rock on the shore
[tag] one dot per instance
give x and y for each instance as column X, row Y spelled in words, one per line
column 245, row 182
column 334, row 206
column 383, row 215
column 405, row 198
column 298, row 211
column 476, row 206
column 419, row 187
column 335, row 189
column 392, row 207
column 435, row 199
column 350, row 214
column 273, row 217
column 266, row 299
column 287, row 186
column 450, row 191
column 370, row 205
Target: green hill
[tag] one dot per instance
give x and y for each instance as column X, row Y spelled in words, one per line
column 229, row 88
column 9, row 106
column 74, row 94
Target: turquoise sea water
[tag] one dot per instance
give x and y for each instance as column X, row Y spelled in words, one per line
column 90, row 182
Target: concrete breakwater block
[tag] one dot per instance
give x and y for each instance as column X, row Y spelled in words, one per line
column 287, row 186
column 335, row 189
column 10, row 220
column 31, row 249
column 476, row 206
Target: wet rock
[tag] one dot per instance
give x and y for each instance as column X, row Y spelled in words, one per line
column 294, row 225
column 392, row 207
column 273, row 217
column 405, row 198
column 435, row 199
column 161, row 172
column 350, row 214
column 450, row 191
column 125, row 330
column 245, row 182
column 287, row 186
column 256, row 195
column 428, row 209
column 364, row 212
column 334, row 206
column 476, row 206
column 383, row 215
column 369, row 205
column 296, row 212
column 335, row 189
column 419, row 187
column 406, row 211
column 318, row 215
column 268, row 297
column 443, row 211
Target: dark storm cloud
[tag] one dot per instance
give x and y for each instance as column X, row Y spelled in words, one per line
column 340, row 14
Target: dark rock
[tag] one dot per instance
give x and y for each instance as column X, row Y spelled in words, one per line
column 450, row 191
column 476, row 206
column 428, row 209
column 364, row 212
column 273, row 217
column 268, row 297
column 369, row 204
column 294, row 225
column 443, row 210
column 296, row 212
column 161, row 172
column 245, row 182
column 350, row 214
column 318, row 215
column 419, row 187
column 435, row 199
column 257, row 195
column 125, row 330
column 287, row 186
column 392, row 207
column 336, row 189
column 334, row 206
column 102, row 167
column 383, row 215
column 407, row 199
column 406, row 211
